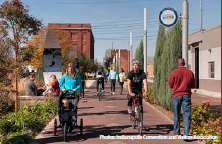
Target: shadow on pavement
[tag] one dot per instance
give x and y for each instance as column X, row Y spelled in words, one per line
column 104, row 113
column 94, row 131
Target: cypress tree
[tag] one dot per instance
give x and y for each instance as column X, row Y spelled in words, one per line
column 172, row 51
column 139, row 54
column 158, row 62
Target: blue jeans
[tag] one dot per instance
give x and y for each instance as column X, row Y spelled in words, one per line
column 185, row 101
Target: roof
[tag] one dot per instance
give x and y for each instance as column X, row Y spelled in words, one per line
column 207, row 30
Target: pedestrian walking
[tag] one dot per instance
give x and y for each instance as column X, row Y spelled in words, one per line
column 121, row 79
column 83, row 79
column 113, row 77
column 181, row 81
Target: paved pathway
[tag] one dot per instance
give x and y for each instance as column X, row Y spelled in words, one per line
column 110, row 117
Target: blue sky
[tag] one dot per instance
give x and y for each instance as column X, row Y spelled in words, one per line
column 112, row 20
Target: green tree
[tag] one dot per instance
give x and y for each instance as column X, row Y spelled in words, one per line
column 108, row 59
column 16, row 20
column 88, row 65
column 139, row 54
column 172, row 51
column 158, row 62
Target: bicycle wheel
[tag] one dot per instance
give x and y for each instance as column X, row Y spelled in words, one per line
column 65, row 132
column 81, row 127
column 140, row 120
column 100, row 91
column 134, row 117
column 55, row 126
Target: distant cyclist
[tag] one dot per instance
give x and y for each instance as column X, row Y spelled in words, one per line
column 136, row 80
column 100, row 75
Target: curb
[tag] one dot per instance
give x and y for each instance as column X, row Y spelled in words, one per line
column 159, row 112
column 44, row 131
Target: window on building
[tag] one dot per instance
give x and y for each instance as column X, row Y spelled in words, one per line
column 211, row 69
column 84, row 36
column 74, row 36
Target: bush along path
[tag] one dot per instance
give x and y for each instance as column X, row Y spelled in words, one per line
column 23, row 126
column 204, row 121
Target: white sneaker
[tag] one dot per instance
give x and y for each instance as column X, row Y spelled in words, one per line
column 102, row 91
column 113, row 93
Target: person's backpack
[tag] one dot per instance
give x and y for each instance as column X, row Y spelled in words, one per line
column 99, row 71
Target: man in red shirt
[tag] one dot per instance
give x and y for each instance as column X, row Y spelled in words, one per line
column 181, row 81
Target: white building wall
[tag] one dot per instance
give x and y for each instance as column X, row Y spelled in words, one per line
column 206, row 57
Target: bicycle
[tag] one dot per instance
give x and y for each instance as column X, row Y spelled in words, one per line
column 136, row 117
column 100, row 90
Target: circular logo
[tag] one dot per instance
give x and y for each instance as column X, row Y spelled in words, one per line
column 168, row 17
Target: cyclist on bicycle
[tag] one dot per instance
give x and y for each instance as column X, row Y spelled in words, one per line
column 136, row 80
column 100, row 75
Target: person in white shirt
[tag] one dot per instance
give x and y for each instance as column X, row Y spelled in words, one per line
column 121, row 79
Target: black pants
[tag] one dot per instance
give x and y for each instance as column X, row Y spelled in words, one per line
column 97, row 83
column 113, row 85
column 121, row 86
column 83, row 86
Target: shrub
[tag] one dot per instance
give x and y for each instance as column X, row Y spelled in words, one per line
column 90, row 78
column 18, row 138
column 29, row 120
column 205, row 122
column 6, row 103
column 151, row 99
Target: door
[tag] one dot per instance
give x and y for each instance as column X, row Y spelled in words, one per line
column 197, row 68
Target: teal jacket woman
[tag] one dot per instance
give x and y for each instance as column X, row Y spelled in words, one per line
column 70, row 80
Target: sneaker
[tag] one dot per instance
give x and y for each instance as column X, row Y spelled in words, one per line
column 130, row 110
column 121, row 93
column 102, row 91
column 113, row 93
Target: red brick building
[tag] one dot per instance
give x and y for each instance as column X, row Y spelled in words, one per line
column 82, row 36
column 124, row 58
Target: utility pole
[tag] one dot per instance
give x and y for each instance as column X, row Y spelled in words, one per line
column 201, row 10
column 145, row 41
column 128, row 52
column 131, row 49
column 185, row 17
column 119, row 61
column 116, row 59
